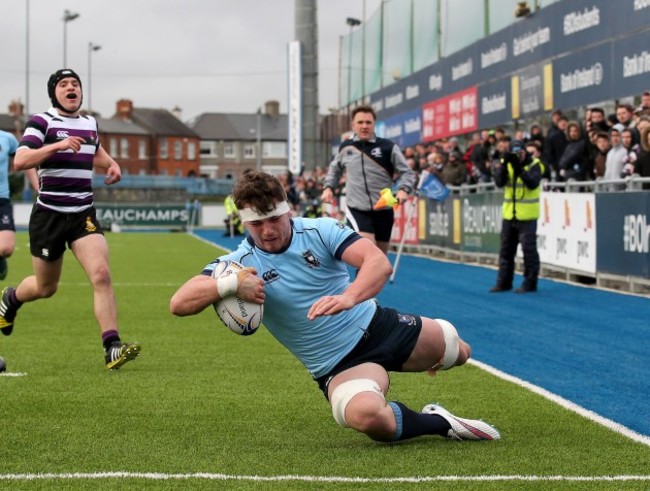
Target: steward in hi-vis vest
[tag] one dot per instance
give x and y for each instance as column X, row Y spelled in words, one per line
column 520, row 176
column 232, row 221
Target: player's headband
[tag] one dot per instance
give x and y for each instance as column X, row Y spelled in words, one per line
column 250, row 215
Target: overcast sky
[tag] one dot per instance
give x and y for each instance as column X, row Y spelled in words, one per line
column 199, row 55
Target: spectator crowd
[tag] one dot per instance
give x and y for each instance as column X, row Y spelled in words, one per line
column 599, row 147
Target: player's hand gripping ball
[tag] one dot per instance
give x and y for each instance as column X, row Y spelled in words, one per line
column 240, row 316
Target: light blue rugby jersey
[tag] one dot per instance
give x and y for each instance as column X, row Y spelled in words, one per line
column 8, row 146
column 295, row 278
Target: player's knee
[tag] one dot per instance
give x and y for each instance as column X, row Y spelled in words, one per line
column 6, row 250
column 456, row 350
column 47, row 290
column 364, row 412
column 464, row 352
column 101, row 277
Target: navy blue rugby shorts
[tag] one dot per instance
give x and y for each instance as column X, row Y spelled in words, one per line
column 388, row 341
column 6, row 215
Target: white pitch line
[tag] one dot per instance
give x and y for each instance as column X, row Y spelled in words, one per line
column 158, row 476
column 121, row 284
column 565, row 403
column 13, row 374
column 209, row 242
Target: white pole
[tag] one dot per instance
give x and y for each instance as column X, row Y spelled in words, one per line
column 190, row 215
column 401, row 242
column 423, row 176
column 196, row 206
column 258, row 140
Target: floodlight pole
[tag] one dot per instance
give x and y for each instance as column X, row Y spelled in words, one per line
column 67, row 17
column 91, row 47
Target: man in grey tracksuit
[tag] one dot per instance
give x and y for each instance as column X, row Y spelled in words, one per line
column 371, row 164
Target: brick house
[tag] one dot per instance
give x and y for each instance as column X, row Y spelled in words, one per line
column 229, row 142
column 129, row 144
column 150, row 141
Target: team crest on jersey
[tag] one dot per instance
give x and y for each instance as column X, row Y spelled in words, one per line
column 312, row 261
column 407, row 320
column 90, row 226
column 376, row 152
column 340, row 224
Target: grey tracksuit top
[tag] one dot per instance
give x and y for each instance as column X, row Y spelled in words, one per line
column 371, row 167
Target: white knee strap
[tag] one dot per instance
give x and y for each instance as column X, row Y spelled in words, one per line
column 451, row 343
column 344, row 393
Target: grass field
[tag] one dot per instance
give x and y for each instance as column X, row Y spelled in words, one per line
column 203, row 408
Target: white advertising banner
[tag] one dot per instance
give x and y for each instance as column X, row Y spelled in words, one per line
column 566, row 230
column 295, row 107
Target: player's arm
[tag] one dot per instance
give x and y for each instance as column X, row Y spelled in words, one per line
column 28, row 158
column 202, row 290
column 104, row 161
column 29, row 174
column 374, row 269
column 194, row 296
column 32, row 177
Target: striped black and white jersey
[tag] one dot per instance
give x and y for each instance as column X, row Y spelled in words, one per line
column 65, row 177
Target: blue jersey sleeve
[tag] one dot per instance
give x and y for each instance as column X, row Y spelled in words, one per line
column 336, row 235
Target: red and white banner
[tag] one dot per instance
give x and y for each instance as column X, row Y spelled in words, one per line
column 451, row 115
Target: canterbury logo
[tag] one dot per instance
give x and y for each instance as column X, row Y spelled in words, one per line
column 90, row 226
column 271, row 275
column 62, row 134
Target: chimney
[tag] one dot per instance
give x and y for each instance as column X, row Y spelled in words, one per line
column 178, row 112
column 125, row 108
column 272, row 109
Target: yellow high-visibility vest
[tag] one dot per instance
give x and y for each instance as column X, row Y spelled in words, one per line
column 519, row 201
column 229, row 205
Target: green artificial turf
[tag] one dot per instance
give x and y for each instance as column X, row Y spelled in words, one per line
column 201, row 399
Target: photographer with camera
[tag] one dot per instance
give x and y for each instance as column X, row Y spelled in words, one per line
column 520, row 176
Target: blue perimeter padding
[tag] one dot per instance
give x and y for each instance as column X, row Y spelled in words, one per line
column 589, row 346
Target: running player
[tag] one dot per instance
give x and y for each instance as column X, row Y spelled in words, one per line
column 64, row 146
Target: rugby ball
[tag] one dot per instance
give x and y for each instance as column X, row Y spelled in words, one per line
column 240, row 316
